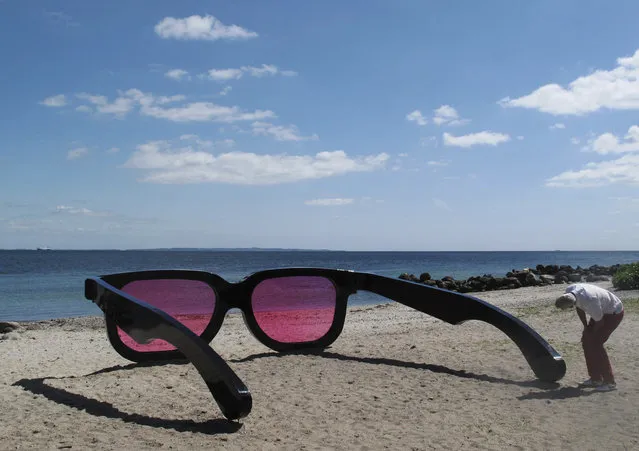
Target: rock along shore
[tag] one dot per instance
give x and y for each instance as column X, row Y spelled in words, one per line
column 527, row 277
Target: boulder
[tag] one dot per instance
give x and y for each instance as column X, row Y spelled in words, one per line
column 566, row 268
column 8, row 326
column 451, row 285
column 513, row 282
column 410, row 277
column 598, row 270
column 423, row 277
column 595, row 278
column 548, row 269
column 475, row 284
column 547, row 279
column 574, row 277
column 493, row 283
column 531, row 280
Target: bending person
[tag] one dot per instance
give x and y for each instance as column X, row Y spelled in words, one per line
column 606, row 312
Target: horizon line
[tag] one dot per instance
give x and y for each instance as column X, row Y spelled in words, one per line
column 256, row 248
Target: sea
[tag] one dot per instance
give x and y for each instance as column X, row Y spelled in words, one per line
column 49, row 284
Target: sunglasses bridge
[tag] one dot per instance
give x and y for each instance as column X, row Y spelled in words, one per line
column 237, row 295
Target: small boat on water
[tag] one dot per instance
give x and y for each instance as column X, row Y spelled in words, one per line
column 43, row 248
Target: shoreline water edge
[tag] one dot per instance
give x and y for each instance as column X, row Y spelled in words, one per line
column 540, row 276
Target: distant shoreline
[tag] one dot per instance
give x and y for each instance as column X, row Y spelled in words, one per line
column 276, row 249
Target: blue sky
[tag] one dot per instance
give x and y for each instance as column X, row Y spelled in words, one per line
column 357, row 125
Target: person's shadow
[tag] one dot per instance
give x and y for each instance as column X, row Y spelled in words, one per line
column 38, row 386
column 560, row 393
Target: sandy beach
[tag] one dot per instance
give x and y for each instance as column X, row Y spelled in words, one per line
column 396, row 378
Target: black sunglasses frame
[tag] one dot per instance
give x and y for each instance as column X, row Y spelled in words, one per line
column 228, row 296
column 144, row 322
column 451, row 307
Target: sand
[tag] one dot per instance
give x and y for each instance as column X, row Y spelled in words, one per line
column 396, row 378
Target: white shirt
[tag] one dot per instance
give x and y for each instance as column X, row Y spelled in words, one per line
column 594, row 300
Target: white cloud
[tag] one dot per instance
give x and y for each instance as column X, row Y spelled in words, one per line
column 177, row 74
column 78, row 211
column 225, row 90
column 402, row 155
column 615, row 89
column 609, row 143
column 624, row 170
column 201, row 28
column 55, row 101
column 113, row 150
column 192, row 164
column 93, row 98
column 224, row 74
column 438, row 163
column 441, row 204
column 83, row 109
column 266, row 70
column 120, row 107
column 280, row 133
column 155, row 106
column 189, row 136
column 161, row 100
column 520, row 138
column 329, row 202
column 79, row 152
column 206, row 144
column 557, row 126
column 417, row 117
column 476, row 139
column 575, row 141
column 447, row 115
column 205, row 112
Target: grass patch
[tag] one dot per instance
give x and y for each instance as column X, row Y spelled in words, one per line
column 627, row 277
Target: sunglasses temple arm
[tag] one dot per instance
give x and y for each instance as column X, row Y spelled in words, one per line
column 144, row 323
column 456, row 308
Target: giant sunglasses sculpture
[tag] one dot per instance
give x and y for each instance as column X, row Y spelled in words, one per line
column 175, row 314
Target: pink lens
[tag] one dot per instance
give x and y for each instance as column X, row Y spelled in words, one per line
column 295, row 309
column 191, row 302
